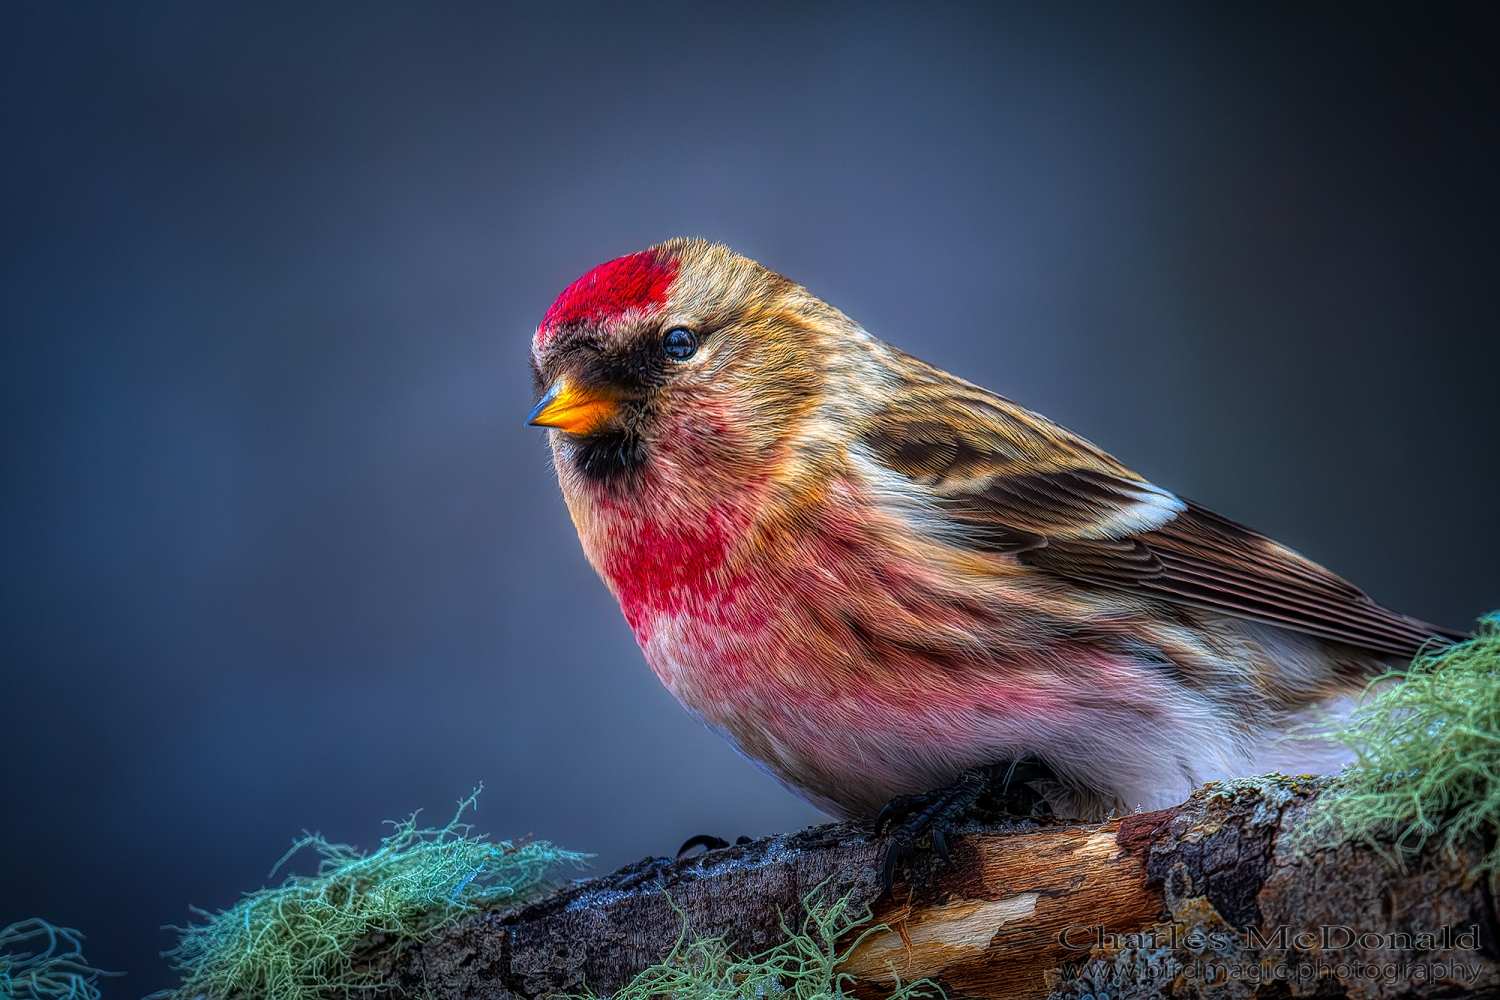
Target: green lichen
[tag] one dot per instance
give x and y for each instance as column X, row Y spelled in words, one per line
column 305, row 939
column 58, row 971
column 1427, row 756
column 802, row 967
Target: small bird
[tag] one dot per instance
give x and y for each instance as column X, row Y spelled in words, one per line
column 903, row 595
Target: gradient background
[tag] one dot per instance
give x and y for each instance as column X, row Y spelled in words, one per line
column 277, row 550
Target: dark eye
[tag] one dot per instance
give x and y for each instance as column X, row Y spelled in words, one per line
column 679, row 344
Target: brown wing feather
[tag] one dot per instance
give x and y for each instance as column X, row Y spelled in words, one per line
column 1017, row 483
column 1208, row 560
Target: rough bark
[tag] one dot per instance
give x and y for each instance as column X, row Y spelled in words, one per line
column 1209, row 899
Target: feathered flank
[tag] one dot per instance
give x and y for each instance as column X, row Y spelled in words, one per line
column 869, row 575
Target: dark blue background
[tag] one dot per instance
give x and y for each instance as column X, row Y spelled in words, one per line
column 279, row 553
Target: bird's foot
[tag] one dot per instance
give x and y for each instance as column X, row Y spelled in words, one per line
column 708, row 842
column 989, row 792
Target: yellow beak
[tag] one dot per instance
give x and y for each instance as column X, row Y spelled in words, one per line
column 577, row 411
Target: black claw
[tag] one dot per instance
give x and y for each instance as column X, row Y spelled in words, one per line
column 1020, row 772
column 888, row 867
column 706, row 841
column 740, row 840
column 893, row 810
column 1001, row 789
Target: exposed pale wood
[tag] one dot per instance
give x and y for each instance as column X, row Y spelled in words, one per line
column 1008, row 895
column 1124, row 910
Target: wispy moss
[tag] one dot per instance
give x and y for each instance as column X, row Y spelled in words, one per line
column 803, row 967
column 1427, row 756
column 29, row 971
column 300, row 940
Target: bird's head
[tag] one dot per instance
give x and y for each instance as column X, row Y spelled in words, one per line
column 682, row 361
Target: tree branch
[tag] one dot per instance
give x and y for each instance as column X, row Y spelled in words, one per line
column 1209, row 898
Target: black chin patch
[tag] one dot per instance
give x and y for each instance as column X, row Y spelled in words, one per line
column 614, row 457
